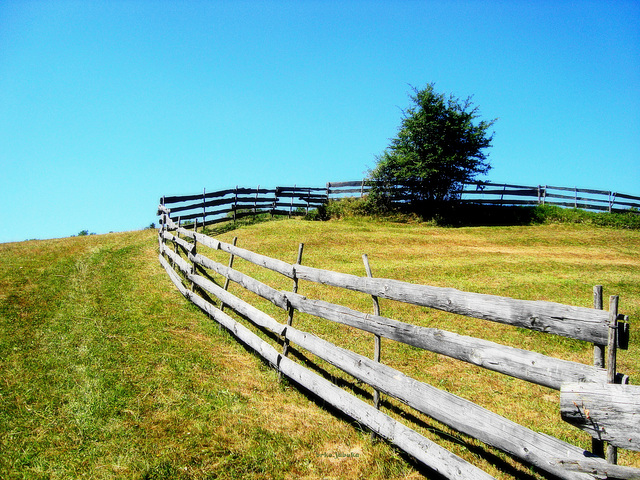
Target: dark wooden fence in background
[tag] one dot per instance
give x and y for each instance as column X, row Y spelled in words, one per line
column 210, row 208
column 593, row 397
column 487, row 193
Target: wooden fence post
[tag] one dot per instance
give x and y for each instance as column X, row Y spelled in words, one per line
column 291, row 204
column 226, row 281
column 612, row 200
column 235, row 203
column 255, row 201
column 376, row 350
column 612, row 451
column 163, row 227
column 290, row 310
column 194, row 268
column 597, row 446
column 204, row 208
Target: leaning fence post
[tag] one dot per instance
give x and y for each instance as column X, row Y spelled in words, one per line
column 612, row 451
column 290, row 310
column 376, row 351
column 226, row 281
column 597, row 445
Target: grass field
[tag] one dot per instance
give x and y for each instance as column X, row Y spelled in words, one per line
column 107, row 372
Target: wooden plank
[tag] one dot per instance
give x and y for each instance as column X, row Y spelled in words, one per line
column 422, row 449
column 600, row 470
column 574, row 322
column 356, row 183
column 629, row 197
column 607, row 412
column 573, row 189
column 532, row 192
column 181, row 198
column 574, row 198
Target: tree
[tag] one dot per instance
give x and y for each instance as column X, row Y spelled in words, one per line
column 438, row 148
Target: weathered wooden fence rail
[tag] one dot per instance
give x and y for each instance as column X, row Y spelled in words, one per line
column 606, row 420
column 211, row 208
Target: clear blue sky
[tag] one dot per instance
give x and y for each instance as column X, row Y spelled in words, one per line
column 105, row 106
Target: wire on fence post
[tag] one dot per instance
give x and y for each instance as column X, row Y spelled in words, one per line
column 612, row 451
column 376, row 351
column 226, row 281
column 597, row 445
column 285, row 346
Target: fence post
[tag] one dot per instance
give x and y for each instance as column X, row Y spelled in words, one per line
column 226, row 281
column 255, row 202
column 597, row 446
column 204, row 208
column 162, row 227
column 612, row 200
column 575, row 195
column 235, row 203
column 291, row 204
column 376, row 351
column 290, row 310
column 194, row 268
column 612, row 451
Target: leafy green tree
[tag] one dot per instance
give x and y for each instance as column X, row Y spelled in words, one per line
column 439, row 147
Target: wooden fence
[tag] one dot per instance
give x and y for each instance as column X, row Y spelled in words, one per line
column 211, row 208
column 487, row 193
column 589, row 393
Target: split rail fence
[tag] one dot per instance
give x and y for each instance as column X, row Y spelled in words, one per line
column 232, row 204
column 595, row 398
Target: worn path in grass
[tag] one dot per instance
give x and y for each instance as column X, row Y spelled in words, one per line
column 106, row 372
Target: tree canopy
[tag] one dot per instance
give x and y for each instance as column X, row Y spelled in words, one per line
column 439, row 147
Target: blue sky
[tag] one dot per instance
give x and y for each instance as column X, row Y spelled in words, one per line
column 105, row 106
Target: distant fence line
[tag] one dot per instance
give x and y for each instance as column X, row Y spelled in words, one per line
column 590, row 398
column 232, row 204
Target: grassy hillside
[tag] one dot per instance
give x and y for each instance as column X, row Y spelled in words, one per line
column 107, row 372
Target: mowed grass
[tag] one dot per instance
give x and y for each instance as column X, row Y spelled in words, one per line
column 107, row 372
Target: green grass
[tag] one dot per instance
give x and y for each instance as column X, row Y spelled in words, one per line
column 107, row 372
